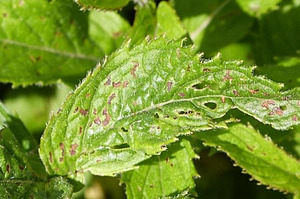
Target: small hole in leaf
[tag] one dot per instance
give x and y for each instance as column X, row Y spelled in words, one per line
column 199, row 86
column 121, row 146
column 156, row 115
column 283, row 107
column 210, row 105
column 124, row 130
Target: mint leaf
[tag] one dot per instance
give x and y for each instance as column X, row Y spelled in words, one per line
column 22, row 174
column 170, row 174
column 51, row 44
column 102, row 4
column 132, row 107
column 261, row 158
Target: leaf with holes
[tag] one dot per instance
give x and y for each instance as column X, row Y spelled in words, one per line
column 22, row 174
column 168, row 175
column 51, row 42
column 143, row 97
column 102, row 4
column 259, row 156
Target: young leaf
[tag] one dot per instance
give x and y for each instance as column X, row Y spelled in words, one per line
column 102, row 4
column 168, row 175
column 51, row 44
column 22, row 174
column 257, row 155
column 143, row 97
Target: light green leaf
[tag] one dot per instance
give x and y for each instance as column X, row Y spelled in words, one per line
column 213, row 24
column 107, row 29
column 168, row 22
column 22, row 174
column 256, row 154
column 102, row 4
column 44, row 41
column 143, row 97
column 257, row 7
column 168, row 175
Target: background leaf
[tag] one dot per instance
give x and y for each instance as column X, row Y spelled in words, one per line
column 212, row 24
column 257, row 155
column 22, row 174
column 52, row 43
column 168, row 175
column 257, row 7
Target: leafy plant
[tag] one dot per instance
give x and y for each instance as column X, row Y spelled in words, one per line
column 154, row 102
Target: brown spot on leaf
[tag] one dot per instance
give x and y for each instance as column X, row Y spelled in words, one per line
column 250, row 148
column 73, row 149
column 80, row 130
column 271, row 102
column 125, row 84
column 8, row 168
column 117, row 34
column 227, row 76
column 4, row 14
column 265, row 104
column 206, row 70
column 151, row 186
column 133, row 70
column 76, row 109
column 97, row 120
column 278, row 111
column 84, row 112
column 181, row 94
column 21, row 167
column 117, row 84
column 50, row 157
column 171, row 164
column 107, row 117
column 253, row 91
column 98, row 161
column 167, row 159
column 266, row 94
column 112, row 96
column 272, row 113
column 88, row 95
column 188, row 68
column 62, row 147
column 107, row 83
column 169, row 86
column 95, row 111
column 223, row 99
column 178, row 53
column 135, row 103
column 236, row 93
column 295, row 118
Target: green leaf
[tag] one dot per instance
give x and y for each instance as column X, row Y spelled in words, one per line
column 286, row 70
column 263, row 160
column 144, row 23
column 143, row 97
column 107, row 29
column 168, row 175
column 22, row 174
column 272, row 39
column 257, row 7
column 102, row 4
column 213, row 24
column 168, row 22
column 51, row 44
